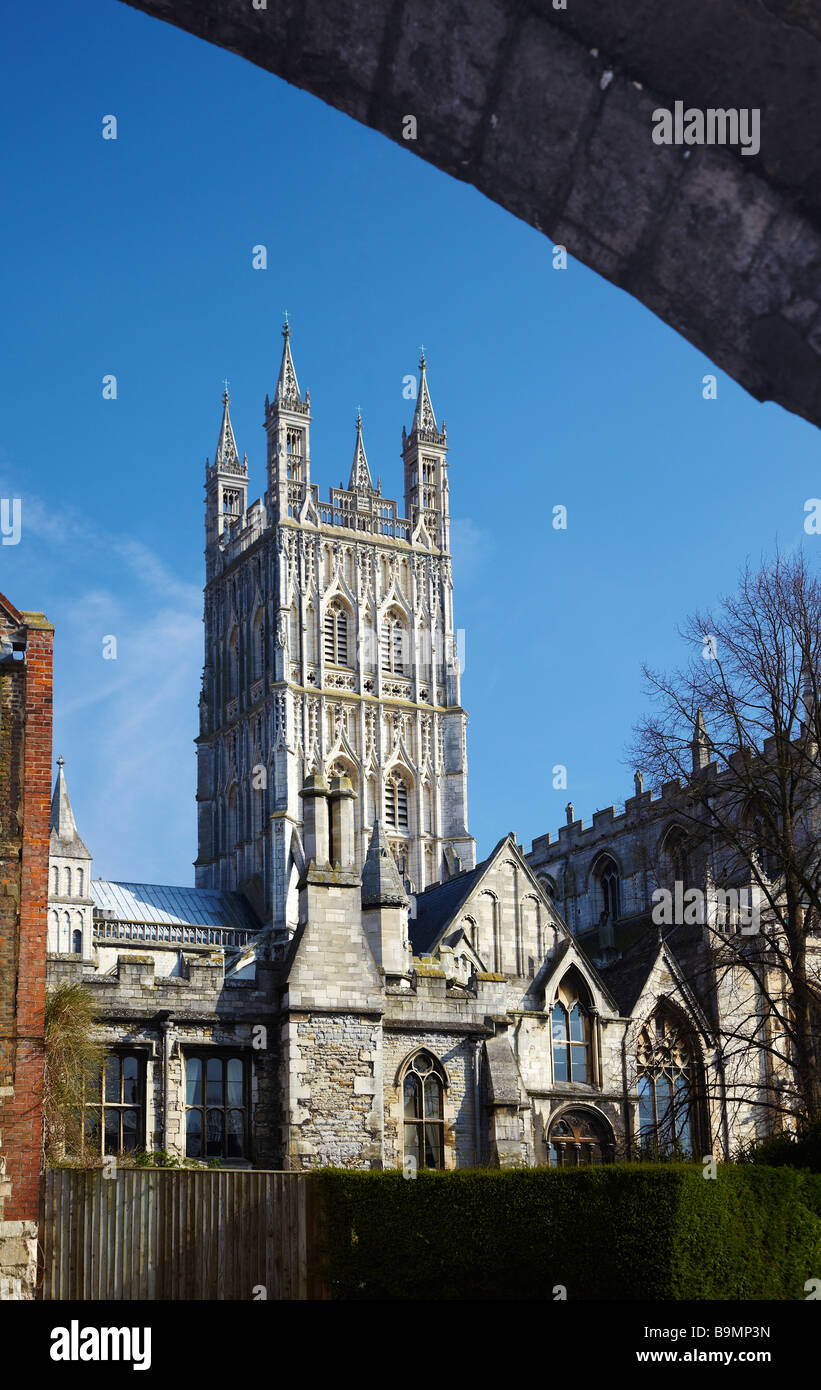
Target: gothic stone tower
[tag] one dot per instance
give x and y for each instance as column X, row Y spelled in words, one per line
column 329, row 651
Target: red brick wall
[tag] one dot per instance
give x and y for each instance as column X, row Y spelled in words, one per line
column 25, row 796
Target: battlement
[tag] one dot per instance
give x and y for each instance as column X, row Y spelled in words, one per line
column 653, row 801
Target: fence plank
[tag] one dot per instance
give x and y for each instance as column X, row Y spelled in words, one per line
column 160, row 1234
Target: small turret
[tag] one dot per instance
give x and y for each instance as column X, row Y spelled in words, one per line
column 70, row 905
column 700, row 744
column 385, row 906
column 288, row 425
column 425, row 455
column 226, row 485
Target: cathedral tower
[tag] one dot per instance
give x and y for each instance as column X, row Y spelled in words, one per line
column 330, row 651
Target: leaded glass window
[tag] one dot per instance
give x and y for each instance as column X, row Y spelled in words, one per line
column 665, row 1086
column 424, row 1116
column 115, row 1118
column 571, row 1042
column 215, row 1106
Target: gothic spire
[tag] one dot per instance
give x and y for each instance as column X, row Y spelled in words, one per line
column 63, row 827
column 227, row 455
column 381, row 884
column 360, row 479
column 424, row 418
column 700, row 745
column 287, row 389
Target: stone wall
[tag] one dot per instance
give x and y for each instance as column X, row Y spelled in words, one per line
column 548, row 109
column 335, row 1063
column 456, row 1054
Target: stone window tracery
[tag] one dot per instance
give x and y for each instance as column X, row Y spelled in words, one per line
column 609, row 883
column 666, row 1072
column 423, row 1112
column 577, row 1140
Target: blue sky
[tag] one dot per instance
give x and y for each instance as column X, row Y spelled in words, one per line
column 133, row 257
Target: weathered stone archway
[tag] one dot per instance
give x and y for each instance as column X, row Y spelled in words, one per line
column 548, row 111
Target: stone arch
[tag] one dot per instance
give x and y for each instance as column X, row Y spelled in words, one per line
column 606, row 879
column 414, row 1052
column 531, row 913
column 573, row 1134
column 394, row 641
column 486, row 906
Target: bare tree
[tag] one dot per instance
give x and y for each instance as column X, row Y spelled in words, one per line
column 740, row 726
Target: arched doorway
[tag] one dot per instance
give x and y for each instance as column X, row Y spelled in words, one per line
column 578, row 1139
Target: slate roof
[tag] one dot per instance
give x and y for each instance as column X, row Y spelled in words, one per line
column 160, row 902
column 626, row 977
column 438, row 905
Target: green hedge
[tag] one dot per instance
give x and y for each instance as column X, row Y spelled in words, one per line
column 621, row 1231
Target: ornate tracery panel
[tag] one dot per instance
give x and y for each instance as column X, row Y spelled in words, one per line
column 666, row 1077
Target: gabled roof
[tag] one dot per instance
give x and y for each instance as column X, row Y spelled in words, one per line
column 626, row 977
column 8, row 610
column 161, row 902
column 437, row 906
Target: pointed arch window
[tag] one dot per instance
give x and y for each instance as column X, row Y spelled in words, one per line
column 396, row 802
column 676, row 853
column 666, row 1072
column 423, row 1096
column 610, row 887
column 571, row 1043
column 761, row 847
column 336, row 634
column 258, row 647
column 295, row 451
column 393, row 644
column 570, row 1029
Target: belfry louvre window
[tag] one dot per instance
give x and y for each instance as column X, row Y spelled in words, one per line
column 396, row 802
column 115, row 1119
column 215, row 1106
column 424, row 1116
column 336, row 635
column 393, row 641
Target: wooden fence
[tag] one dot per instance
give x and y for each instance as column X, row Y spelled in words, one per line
column 180, row 1234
